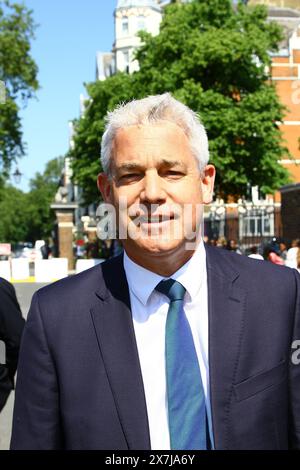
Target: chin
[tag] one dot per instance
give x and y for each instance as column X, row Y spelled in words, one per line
column 158, row 247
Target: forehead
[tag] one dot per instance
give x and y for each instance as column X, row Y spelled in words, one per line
column 160, row 140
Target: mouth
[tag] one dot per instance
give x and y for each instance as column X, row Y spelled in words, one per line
column 156, row 219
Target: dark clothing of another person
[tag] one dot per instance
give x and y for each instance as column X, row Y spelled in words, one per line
column 11, row 327
column 46, row 251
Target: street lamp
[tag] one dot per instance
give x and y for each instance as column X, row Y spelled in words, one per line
column 17, row 176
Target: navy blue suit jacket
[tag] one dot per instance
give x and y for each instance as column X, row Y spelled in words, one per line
column 80, row 384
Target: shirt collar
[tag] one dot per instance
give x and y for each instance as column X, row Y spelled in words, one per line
column 142, row 282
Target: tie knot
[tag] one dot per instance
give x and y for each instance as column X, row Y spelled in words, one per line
column 172, row 289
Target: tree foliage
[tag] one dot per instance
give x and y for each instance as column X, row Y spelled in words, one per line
column 215, row 58
column 13, row 215
column 28, row 216
column 104, row 96
column 42, row 192
column 18, row 71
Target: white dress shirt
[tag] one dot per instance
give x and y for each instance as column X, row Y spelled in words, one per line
column 149, row 311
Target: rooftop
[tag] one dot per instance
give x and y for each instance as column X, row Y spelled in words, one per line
column 137, row 3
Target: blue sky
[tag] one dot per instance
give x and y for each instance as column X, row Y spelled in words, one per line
column 70, row 33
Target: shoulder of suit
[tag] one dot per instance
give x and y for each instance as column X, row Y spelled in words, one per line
column 84, row 282
column 5, row 285
column 252, row 267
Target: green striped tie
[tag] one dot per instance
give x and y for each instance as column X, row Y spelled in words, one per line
column 186, row 401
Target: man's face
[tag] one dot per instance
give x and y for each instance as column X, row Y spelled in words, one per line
column 154, row 170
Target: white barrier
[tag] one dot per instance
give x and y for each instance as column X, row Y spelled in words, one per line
column 5, row 271
column 84, row 264
column 20, row 269
column 50, row 270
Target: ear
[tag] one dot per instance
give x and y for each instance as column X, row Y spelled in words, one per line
column 104, row 184
column 207, row 184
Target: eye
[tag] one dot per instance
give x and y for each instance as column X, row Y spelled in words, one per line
column 130, row 177
column 174, row 174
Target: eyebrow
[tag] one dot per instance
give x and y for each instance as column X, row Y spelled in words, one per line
column 129, row 166
column 137, row 166
column 171, row 163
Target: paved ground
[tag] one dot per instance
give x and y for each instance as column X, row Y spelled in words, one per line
column 5, row 423
column 24, row 294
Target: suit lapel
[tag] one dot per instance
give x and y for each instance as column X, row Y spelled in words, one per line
column 226, row 304
column 115, row 332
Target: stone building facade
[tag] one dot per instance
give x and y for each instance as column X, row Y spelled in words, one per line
column 130, row 17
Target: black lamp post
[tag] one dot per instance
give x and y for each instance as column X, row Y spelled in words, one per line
column 17, row 176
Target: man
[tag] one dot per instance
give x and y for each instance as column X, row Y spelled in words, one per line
column 11, row 327
column 171, row 344
column 254, row 253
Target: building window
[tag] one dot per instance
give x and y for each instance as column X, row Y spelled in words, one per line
column 141, row 23
column 125, row 26
column 126, row 61
column 257, row 223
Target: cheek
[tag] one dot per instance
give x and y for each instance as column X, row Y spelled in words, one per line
column 198, row 196
column 125, row 195
column 190, row 193
column 195, row 189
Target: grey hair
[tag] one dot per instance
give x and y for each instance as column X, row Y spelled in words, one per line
column 149, row 111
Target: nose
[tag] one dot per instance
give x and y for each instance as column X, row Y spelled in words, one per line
column 152, row 191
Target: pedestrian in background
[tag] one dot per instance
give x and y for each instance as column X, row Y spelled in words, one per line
column 221, row 242
column 282, row 249
column 292, row 254
column 254, row 253
column 271, row 254
column 233, row 246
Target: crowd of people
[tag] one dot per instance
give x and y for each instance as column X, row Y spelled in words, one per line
column 276, row 251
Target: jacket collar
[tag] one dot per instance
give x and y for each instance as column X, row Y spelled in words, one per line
column 113, row 324
column 226, row 309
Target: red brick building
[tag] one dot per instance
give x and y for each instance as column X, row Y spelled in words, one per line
column 254, row 221
column 286, row 75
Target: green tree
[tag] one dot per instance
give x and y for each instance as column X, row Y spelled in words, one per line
column 104, row 96
column 18, row 72
column 216, row 59
column 43, row 187
column 13, row 216
column 28, row 216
